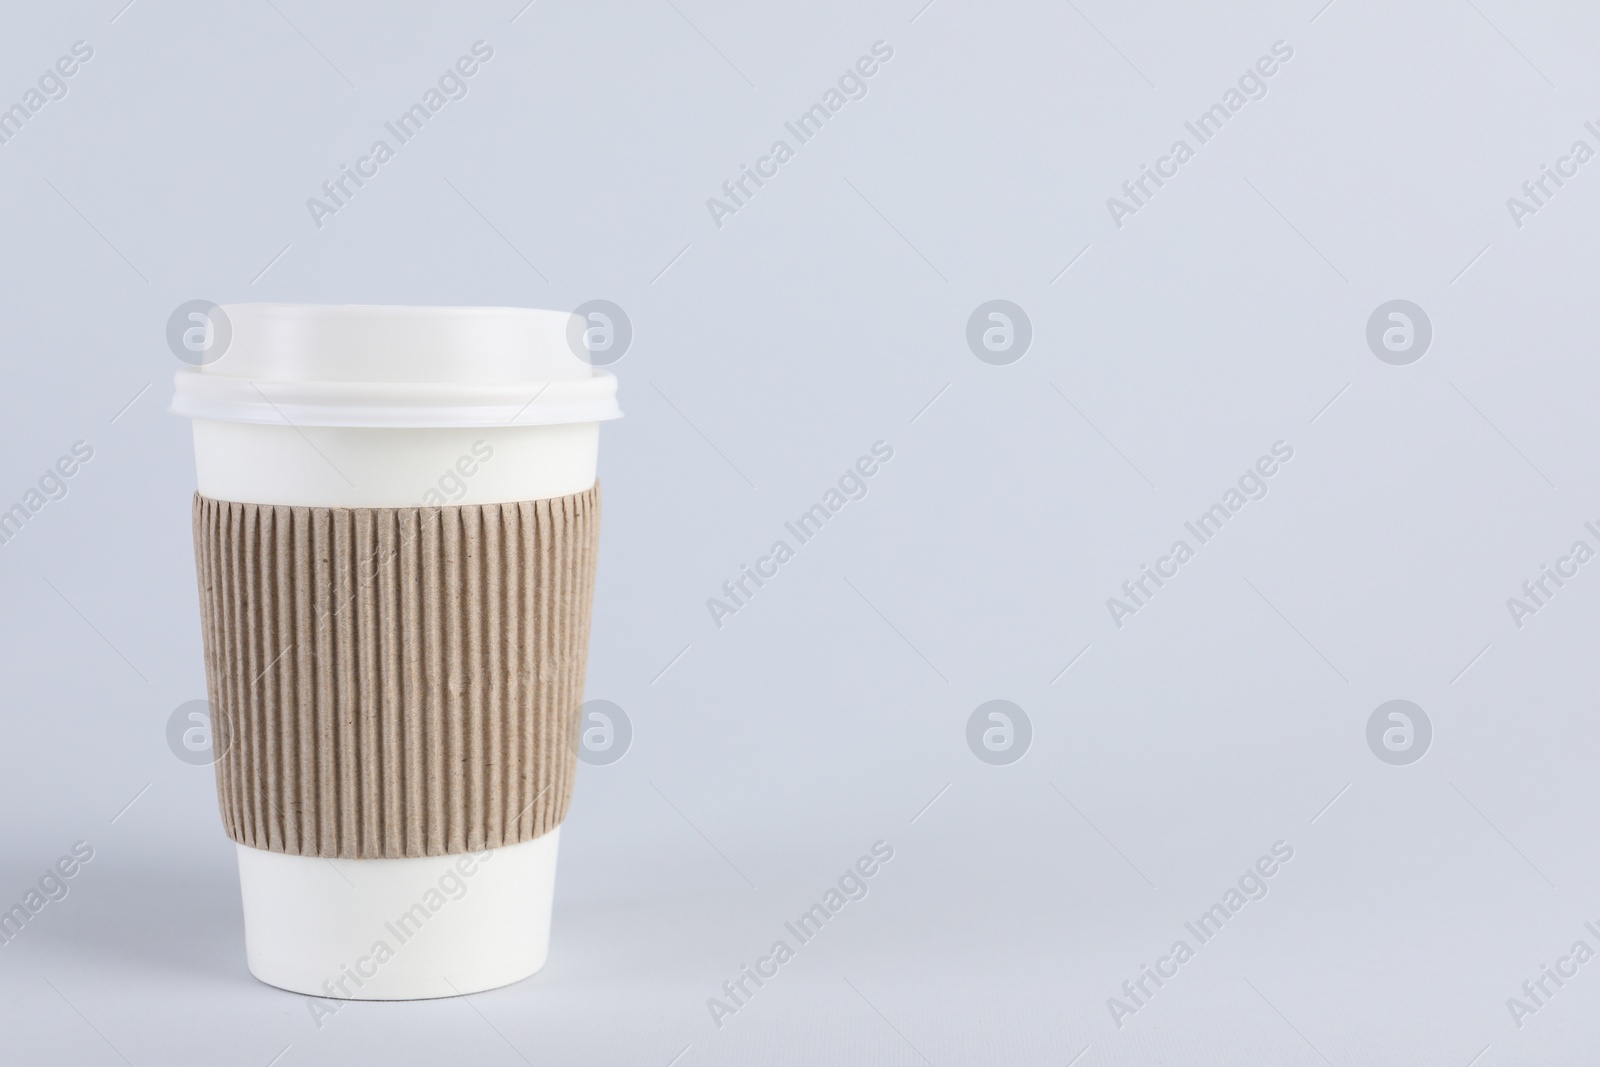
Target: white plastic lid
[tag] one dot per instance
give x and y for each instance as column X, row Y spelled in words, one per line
column 368, row 365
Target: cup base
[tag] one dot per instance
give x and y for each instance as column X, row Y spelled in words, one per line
column 398, row 929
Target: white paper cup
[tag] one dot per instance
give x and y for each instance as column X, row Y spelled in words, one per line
column 376, row 407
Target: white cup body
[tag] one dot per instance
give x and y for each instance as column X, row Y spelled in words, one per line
column 401, row 929
column 335, row 466
column 333, row 927
column 313, row 925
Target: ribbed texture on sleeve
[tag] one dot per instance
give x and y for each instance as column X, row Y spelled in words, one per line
column 392, row 682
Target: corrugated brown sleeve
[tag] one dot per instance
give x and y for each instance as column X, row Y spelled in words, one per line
column 391, row 682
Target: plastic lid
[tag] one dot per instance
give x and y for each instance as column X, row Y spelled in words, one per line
column 386, row 366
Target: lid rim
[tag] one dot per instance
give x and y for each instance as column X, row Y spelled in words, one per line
column 398, row 405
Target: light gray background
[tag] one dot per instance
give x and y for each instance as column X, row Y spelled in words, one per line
column 769, row 354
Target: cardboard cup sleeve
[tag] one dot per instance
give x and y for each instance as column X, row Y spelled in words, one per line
column 395, row 682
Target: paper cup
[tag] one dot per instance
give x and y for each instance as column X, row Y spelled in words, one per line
column 379, row 731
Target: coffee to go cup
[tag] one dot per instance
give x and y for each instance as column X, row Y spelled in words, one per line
column 395, row 533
